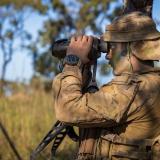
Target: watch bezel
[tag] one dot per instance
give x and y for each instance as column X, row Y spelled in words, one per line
column 71, row 60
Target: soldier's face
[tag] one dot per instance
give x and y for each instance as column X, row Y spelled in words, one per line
column 116, row 52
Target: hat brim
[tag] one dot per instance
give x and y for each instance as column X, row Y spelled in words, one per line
column 113, row 36
column 147, row 50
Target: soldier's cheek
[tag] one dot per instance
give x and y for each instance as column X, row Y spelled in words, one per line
column 109, row 55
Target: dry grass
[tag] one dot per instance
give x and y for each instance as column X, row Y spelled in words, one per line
column 27, row 119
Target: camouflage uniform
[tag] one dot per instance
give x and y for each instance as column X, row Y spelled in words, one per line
column 125, row 112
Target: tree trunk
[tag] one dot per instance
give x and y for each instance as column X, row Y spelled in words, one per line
column 1, row 88
column 144, row 6
column 2, row 78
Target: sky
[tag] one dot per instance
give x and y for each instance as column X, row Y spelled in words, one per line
column 20, row 69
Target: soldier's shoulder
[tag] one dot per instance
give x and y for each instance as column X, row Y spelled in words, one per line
column 124, row 79
column 125, row 83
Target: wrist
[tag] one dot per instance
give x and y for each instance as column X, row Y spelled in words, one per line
column 72, row 60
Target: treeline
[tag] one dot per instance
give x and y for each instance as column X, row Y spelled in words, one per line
column 63, row 19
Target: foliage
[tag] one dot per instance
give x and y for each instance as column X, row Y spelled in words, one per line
column 67, row 18
column 63, row 19
column 46, row 64
column 138, row 5
column 19, row 5
column 27, row 116
column 11, row 27
column 13, row 36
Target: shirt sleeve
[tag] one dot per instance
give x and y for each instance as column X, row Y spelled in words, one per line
column 105, row 107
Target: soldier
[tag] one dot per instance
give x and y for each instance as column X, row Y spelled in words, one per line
column 126, row 111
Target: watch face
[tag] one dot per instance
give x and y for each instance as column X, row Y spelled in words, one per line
column 71, row 59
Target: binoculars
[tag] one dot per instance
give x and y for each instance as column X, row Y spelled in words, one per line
column 99, row 46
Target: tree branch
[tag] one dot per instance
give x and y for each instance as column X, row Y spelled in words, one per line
column 144, row 6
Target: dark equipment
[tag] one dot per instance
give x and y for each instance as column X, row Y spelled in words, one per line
column 59, row 48
column 56, row 134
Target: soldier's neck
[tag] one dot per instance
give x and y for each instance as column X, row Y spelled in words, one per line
column 140, row 66
column 133, row 65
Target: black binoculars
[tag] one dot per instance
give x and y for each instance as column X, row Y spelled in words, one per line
column 59, row 48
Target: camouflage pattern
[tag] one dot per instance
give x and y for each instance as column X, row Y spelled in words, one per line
column 146, row 50
column 121, row 120
column 126, row 111
column 140, row 30
column 131, row 27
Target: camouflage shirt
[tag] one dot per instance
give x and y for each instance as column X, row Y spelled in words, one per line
column 129, row 104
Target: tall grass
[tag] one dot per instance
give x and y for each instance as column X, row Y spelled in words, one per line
column 27, row 118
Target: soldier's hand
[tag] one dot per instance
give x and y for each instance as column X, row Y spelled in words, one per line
column 80, row 46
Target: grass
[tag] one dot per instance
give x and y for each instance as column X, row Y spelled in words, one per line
column 27, row 118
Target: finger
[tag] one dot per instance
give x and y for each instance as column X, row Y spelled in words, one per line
column 73, row 39
column 79, row 38
column 90, row 39
column 85, row 38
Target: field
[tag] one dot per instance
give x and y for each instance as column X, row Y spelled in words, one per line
column 27, row 117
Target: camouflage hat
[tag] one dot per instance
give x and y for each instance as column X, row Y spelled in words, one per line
column 134, row 26
column 146, row 50
column 139, row 29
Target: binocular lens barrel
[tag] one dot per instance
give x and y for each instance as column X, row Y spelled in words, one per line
column 59, row 47
column 103, row 46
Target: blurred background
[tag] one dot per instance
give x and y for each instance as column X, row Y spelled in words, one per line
column 27, row 30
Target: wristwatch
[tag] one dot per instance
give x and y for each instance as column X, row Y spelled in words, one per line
column 72, row 60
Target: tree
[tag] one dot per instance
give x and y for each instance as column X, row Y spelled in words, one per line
column 81, row 16
column 67, row 18
column 11, row 27
column 64, row 19
column 144, row 6
column 12, row 33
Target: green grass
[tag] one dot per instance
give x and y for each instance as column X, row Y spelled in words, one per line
column 27, row 118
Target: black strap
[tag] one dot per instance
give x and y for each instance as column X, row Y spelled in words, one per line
column 58, row 133
column 59, row 138
column 56, row 129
